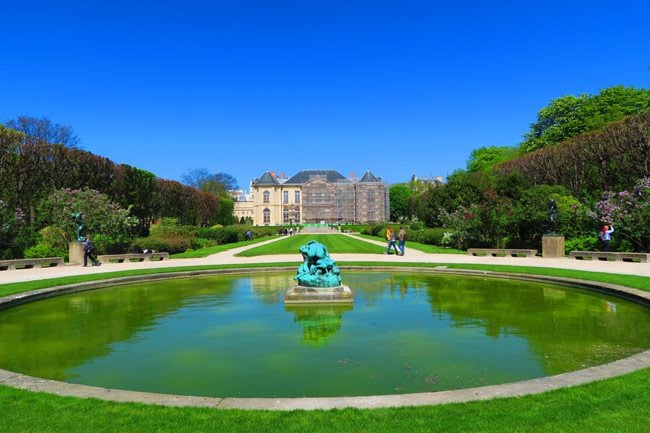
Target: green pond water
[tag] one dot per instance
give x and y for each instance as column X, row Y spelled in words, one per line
column 233, row 336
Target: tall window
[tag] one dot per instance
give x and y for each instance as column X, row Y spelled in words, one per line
column 285, row 197
column 267, row 216
column 297, row 197
column 285, row 216
column 267, row 197
column 296, row 217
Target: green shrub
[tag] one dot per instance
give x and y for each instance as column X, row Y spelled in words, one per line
column 259, row 232
column 169, row 228
column 105, row 244
column 171, row 245
column 582, row 243
column 42, row 250
column 202, row 243
column 428, row 236
column 417, row 225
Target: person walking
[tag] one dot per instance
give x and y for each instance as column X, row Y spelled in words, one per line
column 89, row 252
column 401, row 240
column 606, row 236
column 390, row 237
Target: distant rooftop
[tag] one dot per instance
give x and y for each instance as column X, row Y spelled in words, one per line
column 303, row 176
column 306, row 175
column 267, row 178
column 369, row 177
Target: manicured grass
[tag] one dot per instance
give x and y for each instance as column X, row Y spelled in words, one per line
column 334, row 243
column 620, row 404
column 614, row 405
column 205, row 252
column 425, row 248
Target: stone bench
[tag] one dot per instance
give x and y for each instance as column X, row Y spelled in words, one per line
column 132, row 257
column 610, row 256
column 47, row 262
column 501, row 252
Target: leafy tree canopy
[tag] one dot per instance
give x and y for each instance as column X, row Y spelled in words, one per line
column 484, row 158
column 568, row 116
column 400, row 202
column 100, row 214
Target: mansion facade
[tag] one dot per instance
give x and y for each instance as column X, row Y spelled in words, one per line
column 315, row 196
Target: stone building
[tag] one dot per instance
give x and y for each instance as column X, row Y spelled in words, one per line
column 317, row 196
column 243, row 205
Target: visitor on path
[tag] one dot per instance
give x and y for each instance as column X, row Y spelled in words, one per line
column 401, row 240
column 249, row 235
column 89, row 252
column 390, row 237
column 606, row 236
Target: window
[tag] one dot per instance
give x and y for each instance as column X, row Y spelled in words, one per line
column 297, row 197
column 267, row 197
column 296, row 217
column 285, row 197
column 267, row 216
column 285, row 216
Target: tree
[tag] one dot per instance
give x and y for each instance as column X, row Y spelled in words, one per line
column 568, row 116
column 400, row 202
column 199, row 177
column 15, row 232
column 485, row 158
column 44, row 129
column 100, row 214
column 135, row 188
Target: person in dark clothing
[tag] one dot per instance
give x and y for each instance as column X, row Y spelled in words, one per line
column 89, row 252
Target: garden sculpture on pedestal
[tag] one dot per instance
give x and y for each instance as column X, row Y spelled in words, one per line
column 79, row 223
column 317, row 269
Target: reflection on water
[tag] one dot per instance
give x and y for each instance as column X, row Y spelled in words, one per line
column 233, row 336
column 319, row 322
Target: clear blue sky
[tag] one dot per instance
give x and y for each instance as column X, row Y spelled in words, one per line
column 240, row 86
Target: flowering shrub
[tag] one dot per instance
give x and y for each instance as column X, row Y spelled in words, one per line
column 629, row 213
column 15, row 233
column 483, row 224
column 100, row 215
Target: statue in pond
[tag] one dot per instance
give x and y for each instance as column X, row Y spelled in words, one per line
column 317, row 269
column 79, row 223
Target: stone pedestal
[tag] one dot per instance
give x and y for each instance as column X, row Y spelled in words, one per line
column 76, row 253
column 318, row 295
column 552, row 246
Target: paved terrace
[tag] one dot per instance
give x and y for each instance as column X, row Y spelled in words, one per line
column 412, row 256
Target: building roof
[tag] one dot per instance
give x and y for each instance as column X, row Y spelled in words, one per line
column 306, row 175
column 267, row 179
column 369, row 177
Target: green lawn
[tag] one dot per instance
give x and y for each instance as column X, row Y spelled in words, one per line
column 334, row 243
column 425, row 248
column 204, row 252
column 620, row 404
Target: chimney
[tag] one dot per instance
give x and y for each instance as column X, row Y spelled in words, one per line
column 273, row 174
column 352, row 175
column 283, row 176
